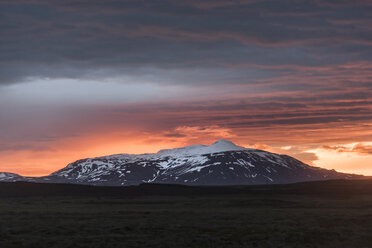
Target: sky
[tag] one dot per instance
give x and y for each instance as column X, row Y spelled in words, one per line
column 87, row 78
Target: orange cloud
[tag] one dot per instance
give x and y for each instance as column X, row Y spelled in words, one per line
column 360, row 148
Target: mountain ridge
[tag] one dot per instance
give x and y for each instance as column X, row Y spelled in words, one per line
column 221, row 163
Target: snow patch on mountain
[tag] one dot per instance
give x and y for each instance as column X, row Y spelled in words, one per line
column 9, row 177
column 218, row 146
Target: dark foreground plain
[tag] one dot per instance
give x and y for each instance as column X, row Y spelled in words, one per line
column 317, row 214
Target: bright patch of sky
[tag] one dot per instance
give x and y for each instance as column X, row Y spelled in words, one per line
column 349, row 161
column 84, row 91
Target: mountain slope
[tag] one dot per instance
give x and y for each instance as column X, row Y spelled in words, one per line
column 222, row 163
column 10, row 177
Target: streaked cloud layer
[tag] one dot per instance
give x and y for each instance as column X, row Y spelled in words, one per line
column 87, row 78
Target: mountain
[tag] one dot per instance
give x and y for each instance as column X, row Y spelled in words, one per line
column 222, row 163
column 10, row 177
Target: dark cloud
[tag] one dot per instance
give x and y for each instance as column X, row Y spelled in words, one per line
column 174, row 135
column 80, row 38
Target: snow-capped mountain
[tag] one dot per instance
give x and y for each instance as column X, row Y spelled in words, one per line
column 222, row 163
column 10, row 177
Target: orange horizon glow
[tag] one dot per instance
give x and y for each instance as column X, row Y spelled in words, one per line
column 44, row 162
column 44, row 147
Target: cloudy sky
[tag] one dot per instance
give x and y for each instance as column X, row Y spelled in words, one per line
column 82, row 78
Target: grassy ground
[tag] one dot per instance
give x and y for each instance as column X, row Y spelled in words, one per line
column 238, row 220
